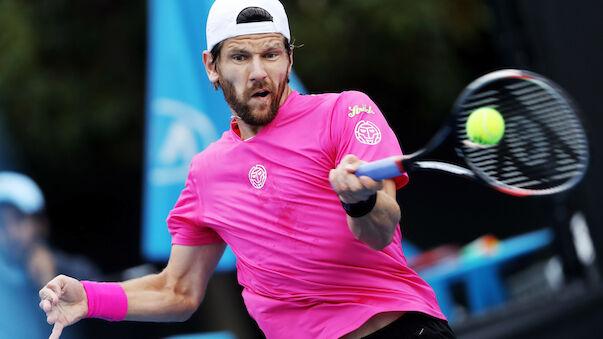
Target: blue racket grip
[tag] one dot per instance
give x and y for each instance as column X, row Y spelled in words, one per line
column 382, row 169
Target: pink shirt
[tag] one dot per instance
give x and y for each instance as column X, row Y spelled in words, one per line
column 303, row 272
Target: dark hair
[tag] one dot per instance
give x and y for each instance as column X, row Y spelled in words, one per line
column 248, row 15
column 253, row 14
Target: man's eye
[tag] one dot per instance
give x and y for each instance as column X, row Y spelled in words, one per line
column 239, row 57
column 271, row 55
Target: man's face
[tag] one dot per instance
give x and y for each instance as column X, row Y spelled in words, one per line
column 18, row 232
column 253, row 71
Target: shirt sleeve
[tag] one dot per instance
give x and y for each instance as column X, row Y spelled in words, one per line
column 359, row 128
column 184, row 221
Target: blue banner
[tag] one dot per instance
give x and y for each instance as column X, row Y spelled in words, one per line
column 184, row 113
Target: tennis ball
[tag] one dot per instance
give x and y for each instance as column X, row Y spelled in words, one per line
column 485, row 126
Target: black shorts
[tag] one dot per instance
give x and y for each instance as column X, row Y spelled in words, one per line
column 415, row 325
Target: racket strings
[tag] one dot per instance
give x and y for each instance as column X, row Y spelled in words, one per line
column 544, row 146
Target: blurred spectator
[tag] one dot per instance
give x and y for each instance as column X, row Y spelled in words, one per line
column 27, row 262
column 24, row 232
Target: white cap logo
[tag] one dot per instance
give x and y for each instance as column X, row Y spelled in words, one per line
column 257, row 176
column 367, row 133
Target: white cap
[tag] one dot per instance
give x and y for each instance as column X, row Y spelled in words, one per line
column 222, row 20
column 21, row 191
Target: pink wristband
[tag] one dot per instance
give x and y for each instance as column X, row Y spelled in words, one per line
column 106, row 300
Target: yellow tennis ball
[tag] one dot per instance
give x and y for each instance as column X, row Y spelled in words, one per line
column 485, row 126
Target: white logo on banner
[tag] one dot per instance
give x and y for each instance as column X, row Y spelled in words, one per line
column 180, row 142
column 367, row 133
column 257, row 176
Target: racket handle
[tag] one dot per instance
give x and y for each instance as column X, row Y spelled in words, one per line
column 382, row 169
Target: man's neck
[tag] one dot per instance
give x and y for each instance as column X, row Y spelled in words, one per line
column 247, row 131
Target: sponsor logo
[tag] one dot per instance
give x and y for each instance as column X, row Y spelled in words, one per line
column 257, row 176
column 354, row 111
column 367, row 133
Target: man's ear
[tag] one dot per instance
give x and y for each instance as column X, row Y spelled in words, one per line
column 210, row 67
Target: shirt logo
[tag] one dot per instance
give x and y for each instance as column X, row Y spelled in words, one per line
column 367, row 133
column 354, row 111
column 257, row 176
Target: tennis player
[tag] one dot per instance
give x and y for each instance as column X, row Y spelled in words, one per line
column 318, row 249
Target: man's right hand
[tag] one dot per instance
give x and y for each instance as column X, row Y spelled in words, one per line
column 64, row 301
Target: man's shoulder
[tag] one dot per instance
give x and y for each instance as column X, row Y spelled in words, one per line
column 352, row 96
column 331, row 101
column 333, row 96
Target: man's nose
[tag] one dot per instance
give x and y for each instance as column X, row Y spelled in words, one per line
column 257, row 71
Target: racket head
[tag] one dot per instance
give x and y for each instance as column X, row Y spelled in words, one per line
column 544, row 149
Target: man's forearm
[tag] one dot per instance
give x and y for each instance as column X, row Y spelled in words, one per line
column 156, row 298
column 175, row 293
column 377, row 228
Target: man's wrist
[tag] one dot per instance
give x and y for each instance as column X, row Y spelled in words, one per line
column 106, row 300
column 361, row 208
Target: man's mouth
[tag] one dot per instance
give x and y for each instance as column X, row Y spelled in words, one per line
column 261, row 93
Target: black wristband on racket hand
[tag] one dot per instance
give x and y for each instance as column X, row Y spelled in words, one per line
column 360, row 208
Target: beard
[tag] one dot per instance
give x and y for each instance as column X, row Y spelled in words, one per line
column 244, row 111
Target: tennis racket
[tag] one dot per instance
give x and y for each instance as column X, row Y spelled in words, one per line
column 544, row 149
